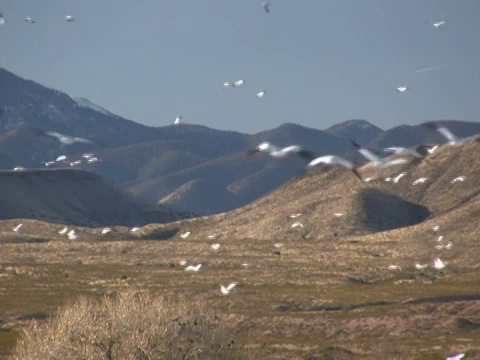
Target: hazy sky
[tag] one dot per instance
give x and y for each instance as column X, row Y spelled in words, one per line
column 320, row 61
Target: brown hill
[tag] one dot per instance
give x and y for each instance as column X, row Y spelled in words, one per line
column 367, row 207
column 73, row 197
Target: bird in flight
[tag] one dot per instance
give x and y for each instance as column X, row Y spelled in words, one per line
column 335, row 160
column 226, row 290
column 69, row 18
column 30, row 20
column 277, row 152
column 67, row 140
column 266, row 7
column 375, row 159
column 2, row 19
column 447, row 134
column 403, row 88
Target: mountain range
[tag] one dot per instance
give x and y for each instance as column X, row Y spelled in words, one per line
column 185, row 167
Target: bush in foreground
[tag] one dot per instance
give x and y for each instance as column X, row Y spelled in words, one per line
column 130, row 325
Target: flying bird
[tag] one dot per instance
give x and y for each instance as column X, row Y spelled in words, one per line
column 106, row 231
column 458, row 356
column 437, row 24
column 226, row 84
column 71, row 235
column 266, row 7
column 67, row 140
column 135, row 229
column 403, row 88
column 215, row 246
column 297, row 224
column 335, row 160
column 275, row 151
column 457, row 179
column 63, row 231
column 447, row 134
column 185, row 235
column 419, row 151
column 30, row 20
column 69, row 18
column 238, row 83
column 398, row 177
column 439, row 264
column 375, row 159
column 16, row 228
column 228, row 289
column 178, row 119
column 420, row 181
column 193, row 268
column 260, row 94
column 293, row 216
column 2, row 19
column 436, row 228
column 420, row 266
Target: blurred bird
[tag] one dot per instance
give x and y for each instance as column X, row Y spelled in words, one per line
column 403, row 88
column 398, row 177
column 215, row 246
column 297, row 224
column 375, row 159
column 106, row 231
column 185, row 235
column 260, row 94
column 275, row 151
column 457, row 179
column 420, row 181
column 266, row 7
column 419, row 151
column 226, row 290
column 449, row 136
column 63, row 231
column 193, row 268
column 437, row 24
column 30, row 20
column 439, row 264
column 16, row 228
column 334, row 160
column 238, row 83
column 71, row 235
column 67, row 140
column 2, row 19
column 69, row 18
column 420, row 266
column 178, row 119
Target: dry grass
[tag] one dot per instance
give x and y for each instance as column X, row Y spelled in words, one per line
column 129, row 325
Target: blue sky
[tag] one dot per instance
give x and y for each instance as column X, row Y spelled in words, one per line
column 320, row 61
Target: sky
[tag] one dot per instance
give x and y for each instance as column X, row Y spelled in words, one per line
column 320, row 62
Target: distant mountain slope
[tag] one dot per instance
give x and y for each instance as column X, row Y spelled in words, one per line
column 334, row 203
column 74, row 197
column 360, row 131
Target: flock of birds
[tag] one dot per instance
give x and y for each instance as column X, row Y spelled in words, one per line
column 3, row 20
column 418, row 151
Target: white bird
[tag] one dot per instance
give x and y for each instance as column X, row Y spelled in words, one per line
column 419, row 151
column 440, row 238
column 69, row 18
column 76, row 162
column 266, row 7
column 297, row 224
column 68, row 140
column 394, row 267
column 227, row 84
column 334, row 160
column 185, row 235
column 451, row 138
column 459, row 178
column 63, row 231
column 211, row 236
column 420, row 181
column 245, row 265
column 275, row 151
column 388, row 179
column 420, row 266
column 135, row 229
column 403, row 88
column 456, row 357
column 30, row 20
column 178, row 119
column 183, row 262
column 61, row 158
column 260, row 94
column 432, row 149
column 215, row 246
column 449, row 245
column 71, row 235
column 338, row 214
column 436, row 228
column 278, row 245
column 2, row 19
column 293, row 216
column 193, row 268
column 238, row 83
column 437, row 24
column 16, row 228
column 439, row 264
column 367, row 179
column 439, row 247
column 398, row 177
column 19, row 168
column 375, row 159
column 106, row 231
column 92, row 160
column 49, row 163
column 87, row 156
column 226, row 290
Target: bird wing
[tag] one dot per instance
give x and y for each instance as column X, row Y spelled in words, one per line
column 395, row 149
column 448, row 134
column 77, row 139
column 331, row 159
column 231, row 286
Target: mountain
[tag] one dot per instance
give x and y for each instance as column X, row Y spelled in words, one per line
column 365, row 207
column 74, row 197
column 361, row 131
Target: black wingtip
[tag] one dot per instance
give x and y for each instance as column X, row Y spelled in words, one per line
column 355, row 144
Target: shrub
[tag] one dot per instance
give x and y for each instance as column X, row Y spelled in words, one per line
column 129, row 325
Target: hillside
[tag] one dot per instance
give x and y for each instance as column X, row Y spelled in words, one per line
column 74, row 197
column 361, row 131
column 367, row 207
